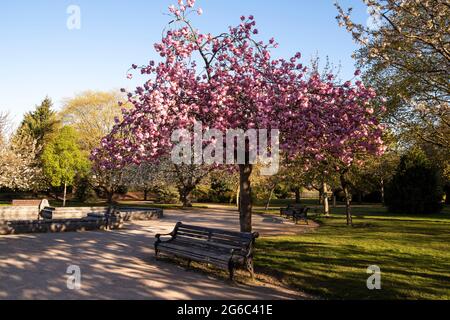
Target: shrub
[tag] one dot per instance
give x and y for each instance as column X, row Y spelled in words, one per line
column 83, row 191
column 415, row 187
column 167, row 195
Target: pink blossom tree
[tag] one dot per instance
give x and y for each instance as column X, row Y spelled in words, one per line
column 230, row 81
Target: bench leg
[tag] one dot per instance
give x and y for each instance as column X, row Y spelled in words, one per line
column 189, row 263
column 231, row 270
column 156, row 253
column 250, row 268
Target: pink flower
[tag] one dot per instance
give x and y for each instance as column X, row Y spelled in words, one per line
column 200, row 11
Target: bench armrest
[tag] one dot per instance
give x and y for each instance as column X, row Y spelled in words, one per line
column 158, row 236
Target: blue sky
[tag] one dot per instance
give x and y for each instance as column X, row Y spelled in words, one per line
column 40, row 56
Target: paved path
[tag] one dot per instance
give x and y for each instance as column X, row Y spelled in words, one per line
column 121, row 264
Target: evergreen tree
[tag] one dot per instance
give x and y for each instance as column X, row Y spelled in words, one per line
column 38, row 124
column 415, row 187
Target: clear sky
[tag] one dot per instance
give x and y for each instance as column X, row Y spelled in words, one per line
column 40, row 56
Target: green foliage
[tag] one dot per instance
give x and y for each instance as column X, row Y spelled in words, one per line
column 220, row 191
column 167, row 194
column 84, row 191
column 415, row 187
column 62, row 158
column 122, row 190
column 40, row 123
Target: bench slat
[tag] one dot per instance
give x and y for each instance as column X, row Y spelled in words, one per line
column 215, row 247
column 218, row 231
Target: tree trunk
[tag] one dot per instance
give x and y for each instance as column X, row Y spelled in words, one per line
column 348, row 211
column 298, row 195
column 334, row 201
column 270, row 198
column 245, row 210
column 326, row 206
column 345, row 187
column 110, row 196
column 145, row 195
column 65, row 194
column 185, row 197
column 383, row 201
column 238, row 200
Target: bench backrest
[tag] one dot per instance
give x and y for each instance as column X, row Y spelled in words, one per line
column 26, row 203
column 242, row 242
column 295, row 206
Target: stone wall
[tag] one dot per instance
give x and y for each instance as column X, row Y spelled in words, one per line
column 77, row 213
column 31, row 213
column 19, row 213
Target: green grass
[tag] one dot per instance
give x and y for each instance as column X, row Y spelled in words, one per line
column 413, row 253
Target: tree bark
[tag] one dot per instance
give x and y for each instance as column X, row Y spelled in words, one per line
column 298, row 195
column 65, row 194
column 245, row 210
column 185, row 197
column 270, row 198
column 145, row 195
column 326, row 206
column 348, row 211
column 345, row 187
column 383, row 201
column 238, row 200
column 110, row 196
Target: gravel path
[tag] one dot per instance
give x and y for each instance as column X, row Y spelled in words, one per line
column 121, row 265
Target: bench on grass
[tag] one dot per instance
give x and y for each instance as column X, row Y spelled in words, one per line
column 224, row 249
column 296, row 212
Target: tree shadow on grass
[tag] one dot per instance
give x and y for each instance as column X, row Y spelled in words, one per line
column 333, row 271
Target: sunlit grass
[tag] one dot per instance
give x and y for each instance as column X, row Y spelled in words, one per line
column 413, row 253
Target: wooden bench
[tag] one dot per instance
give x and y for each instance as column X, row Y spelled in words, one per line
column 26, row 203
column 296, row 212
column 301, row 215
column 47, row 213
column 224, row 249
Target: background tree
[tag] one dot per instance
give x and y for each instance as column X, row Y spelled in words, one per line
column 39, row 124
column 4, row 124
column 20, row 168
column 406, row 58
column 92, row 114
column 63, row 159
column 415, row 187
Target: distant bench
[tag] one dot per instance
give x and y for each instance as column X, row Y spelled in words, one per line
column 26, row 203
column 296, row 212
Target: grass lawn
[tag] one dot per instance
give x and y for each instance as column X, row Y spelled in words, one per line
column 331, row 262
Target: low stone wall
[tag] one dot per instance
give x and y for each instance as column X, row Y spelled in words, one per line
column 126, row 213
column 139, row 214
column 77, row 213
column 18, row 213
column 54, row 226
